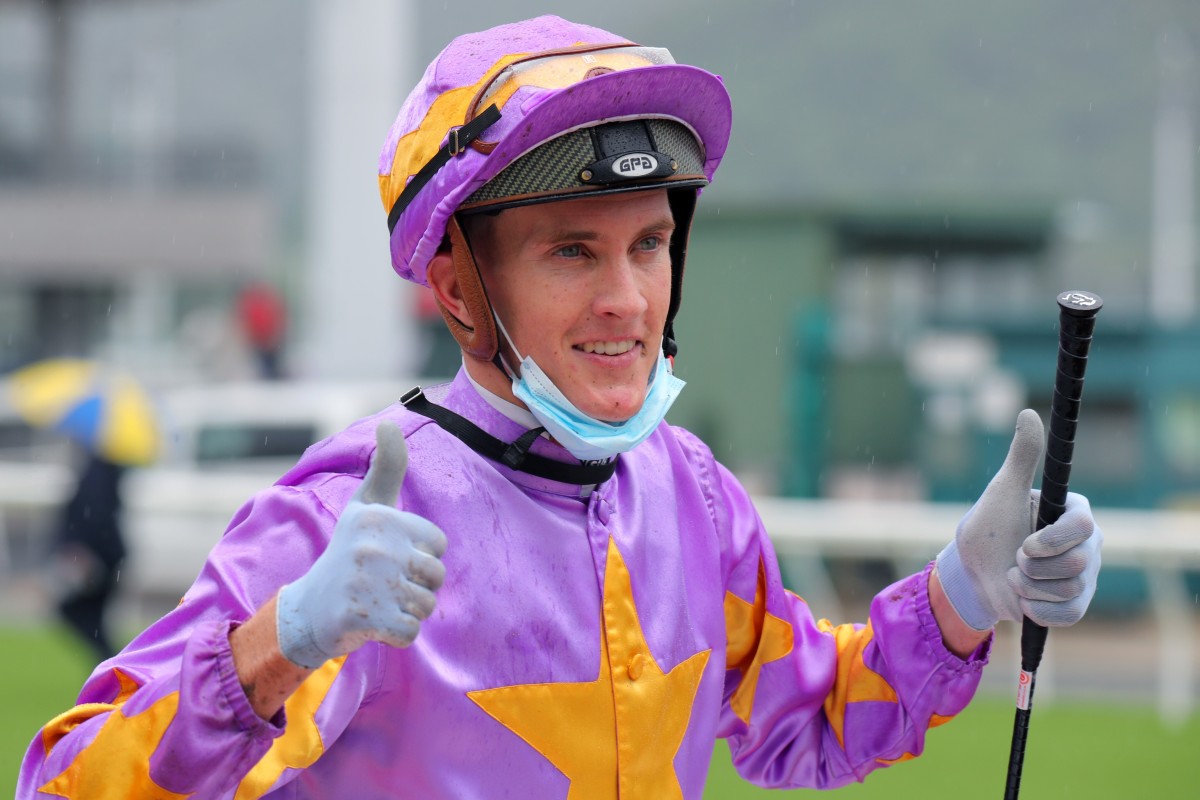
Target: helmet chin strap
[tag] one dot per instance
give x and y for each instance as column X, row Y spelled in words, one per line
column 669, row 347
column 478, row 342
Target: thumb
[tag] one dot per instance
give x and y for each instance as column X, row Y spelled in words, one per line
column 1024, row 454
column 386, row 473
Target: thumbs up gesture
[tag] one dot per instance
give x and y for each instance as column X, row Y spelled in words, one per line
column 998, row 568
column 376, row 579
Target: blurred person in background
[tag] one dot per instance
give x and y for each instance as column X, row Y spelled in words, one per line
column 262, row 315
column 88, row 549
column 110, row 422
column 597, row 598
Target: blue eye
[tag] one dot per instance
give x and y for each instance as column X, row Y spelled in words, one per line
column 650, row 243
column 570, row 251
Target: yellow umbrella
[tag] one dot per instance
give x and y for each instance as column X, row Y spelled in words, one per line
column 104, row 410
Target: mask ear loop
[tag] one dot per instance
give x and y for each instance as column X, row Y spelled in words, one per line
column 509, row 370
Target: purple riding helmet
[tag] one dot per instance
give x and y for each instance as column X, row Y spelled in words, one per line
column 536, row 111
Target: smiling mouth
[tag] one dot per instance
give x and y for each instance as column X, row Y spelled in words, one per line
column 608, row 348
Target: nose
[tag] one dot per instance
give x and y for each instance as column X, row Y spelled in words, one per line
column 621, row 289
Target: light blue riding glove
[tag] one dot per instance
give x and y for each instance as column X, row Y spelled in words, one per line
column 376, row 579
column 998, row 568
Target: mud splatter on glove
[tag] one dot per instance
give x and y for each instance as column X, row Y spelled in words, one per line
column 376, row 579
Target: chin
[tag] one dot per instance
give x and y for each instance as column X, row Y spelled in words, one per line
column 609, row 400
column 613, row 410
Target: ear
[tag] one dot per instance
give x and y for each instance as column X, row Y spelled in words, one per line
column 443, row 281
column 461, row 297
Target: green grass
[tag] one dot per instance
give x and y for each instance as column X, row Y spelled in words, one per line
column 41, row 671
column 1075, row 750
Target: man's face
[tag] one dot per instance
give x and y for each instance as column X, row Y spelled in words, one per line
column 583, row 287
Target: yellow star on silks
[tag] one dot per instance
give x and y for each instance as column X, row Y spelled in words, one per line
column 855, row 682
column 754, row 637
column 300, row 745
column 106, row 769
column 64, row 723
column 620, row 732
column 934, row 721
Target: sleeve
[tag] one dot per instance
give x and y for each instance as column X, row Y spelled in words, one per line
column 813, row 704
column 168, row 718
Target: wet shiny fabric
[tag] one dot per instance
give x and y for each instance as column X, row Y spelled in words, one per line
column 583, row 646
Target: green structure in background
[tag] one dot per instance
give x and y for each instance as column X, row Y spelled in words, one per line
column 748, row 273
column 1139, row 429
column 885, row 353
column 803, row 320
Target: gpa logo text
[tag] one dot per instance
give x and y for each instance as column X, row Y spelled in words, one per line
column 635, row 165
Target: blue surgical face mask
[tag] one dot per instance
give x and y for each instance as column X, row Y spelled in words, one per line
column 586, row 438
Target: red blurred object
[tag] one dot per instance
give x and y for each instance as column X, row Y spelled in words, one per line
column 263, row 316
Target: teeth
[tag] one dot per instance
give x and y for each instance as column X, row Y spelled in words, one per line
column 608, row 348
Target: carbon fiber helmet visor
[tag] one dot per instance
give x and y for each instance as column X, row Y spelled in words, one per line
column 607, row 158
